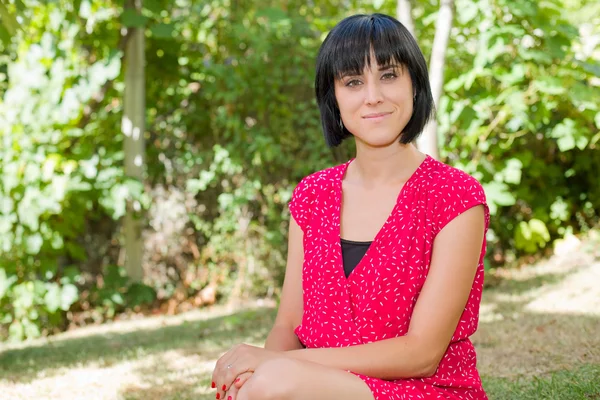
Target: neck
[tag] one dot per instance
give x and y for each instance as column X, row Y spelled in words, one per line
column 386, row 165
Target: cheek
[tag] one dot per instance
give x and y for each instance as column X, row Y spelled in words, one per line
column 349, row 105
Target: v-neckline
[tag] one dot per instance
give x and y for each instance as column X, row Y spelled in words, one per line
column 374, row 242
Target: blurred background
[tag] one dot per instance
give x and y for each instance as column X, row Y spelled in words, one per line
column 148, row 151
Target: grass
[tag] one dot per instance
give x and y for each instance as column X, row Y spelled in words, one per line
column 523, row 354
column 175, row 362
column 205, row 338
column 582, row 383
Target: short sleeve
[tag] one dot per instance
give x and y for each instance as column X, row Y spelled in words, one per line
column 301, row 203
column 458, row 194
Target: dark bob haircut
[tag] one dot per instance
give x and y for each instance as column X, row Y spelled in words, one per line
column 347, row 49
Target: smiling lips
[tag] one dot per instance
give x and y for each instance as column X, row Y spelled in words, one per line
column 376, row 116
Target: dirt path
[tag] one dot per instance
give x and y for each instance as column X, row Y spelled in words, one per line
column 539, row 319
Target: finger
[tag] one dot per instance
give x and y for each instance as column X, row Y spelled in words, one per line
column 241, row 379
column 226, row 377
column 231, row 394
column 219, row 375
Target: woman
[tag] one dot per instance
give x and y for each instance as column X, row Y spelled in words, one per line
column 385, row 266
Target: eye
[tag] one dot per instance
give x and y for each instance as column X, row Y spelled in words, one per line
column 352, row 82
column 389, row 75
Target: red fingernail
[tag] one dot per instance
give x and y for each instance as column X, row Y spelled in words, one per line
column 218, row 396
column 224, row 387
column 213, row 385
column 229, row 398
column 236, row 381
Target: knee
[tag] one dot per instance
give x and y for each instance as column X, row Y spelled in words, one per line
column 273, row 380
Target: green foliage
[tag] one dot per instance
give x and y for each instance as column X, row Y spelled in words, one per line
column 115, row 293
column 54, row 177
column 520, row 117
column 232, row 125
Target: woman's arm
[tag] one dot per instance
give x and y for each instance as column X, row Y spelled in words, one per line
column 289, row 315
column 442, row 300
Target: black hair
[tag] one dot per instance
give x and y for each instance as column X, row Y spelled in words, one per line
column 347, row 49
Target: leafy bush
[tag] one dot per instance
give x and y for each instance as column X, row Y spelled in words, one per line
column 524, row 118
column 232, row 125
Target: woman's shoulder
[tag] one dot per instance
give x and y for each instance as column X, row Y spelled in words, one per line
column 322, row 179
column 446, row 178
column 454, row 191
column 309, row 190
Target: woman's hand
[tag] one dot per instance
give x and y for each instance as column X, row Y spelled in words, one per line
column 238, row 361
column 232, row 392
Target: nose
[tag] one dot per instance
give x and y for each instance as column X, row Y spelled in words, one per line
column 373, row 93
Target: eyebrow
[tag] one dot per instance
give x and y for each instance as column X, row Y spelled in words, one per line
column 381, row 68
column 389, row 66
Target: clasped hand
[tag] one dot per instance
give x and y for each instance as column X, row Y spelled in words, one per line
column 236, row 366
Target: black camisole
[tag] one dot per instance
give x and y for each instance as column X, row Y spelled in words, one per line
column 352, row 253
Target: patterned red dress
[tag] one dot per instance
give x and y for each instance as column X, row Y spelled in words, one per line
column 376, row 301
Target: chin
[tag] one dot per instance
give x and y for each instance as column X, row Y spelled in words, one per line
column 381, row 143
column 383, row 140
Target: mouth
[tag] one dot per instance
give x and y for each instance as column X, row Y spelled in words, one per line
column 376, row 116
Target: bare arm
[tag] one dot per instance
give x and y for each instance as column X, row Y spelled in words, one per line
column 289, row 315
column 442, row 301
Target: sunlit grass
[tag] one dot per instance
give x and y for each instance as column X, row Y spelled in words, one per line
column 521, row 355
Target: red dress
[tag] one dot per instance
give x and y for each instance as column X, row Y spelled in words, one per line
column 376, row 301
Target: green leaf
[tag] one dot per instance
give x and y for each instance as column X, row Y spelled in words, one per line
column 30, row 329
column 52, row 297
column 5, row 36
column 5, row 282
column 589, row 67
column 377, row 4
column 23, row 298
column 512, row 172
column 531, row 236
column 140, row 294
column 34, row 243
column 8, row 20
column 163, row 31
column 68, row 296
column 566, row 143
column 131, row 19
column 76, row 251
column 539, row 228
column 117, row 298
column 454, row 84
column 16, row 332
column 566, row 135
column 549, row 85
column 85, row 9
column 536, row 55
column 468, row 11
column 498, row 194
column 21, row 7
column 153, row 6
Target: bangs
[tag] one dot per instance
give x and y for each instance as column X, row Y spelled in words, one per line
column 352, row 48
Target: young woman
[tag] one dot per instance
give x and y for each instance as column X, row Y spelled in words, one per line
column 385, row 266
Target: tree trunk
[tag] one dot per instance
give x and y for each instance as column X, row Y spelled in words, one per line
column 404, row 15
column 428, row 141
column 133, row 126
